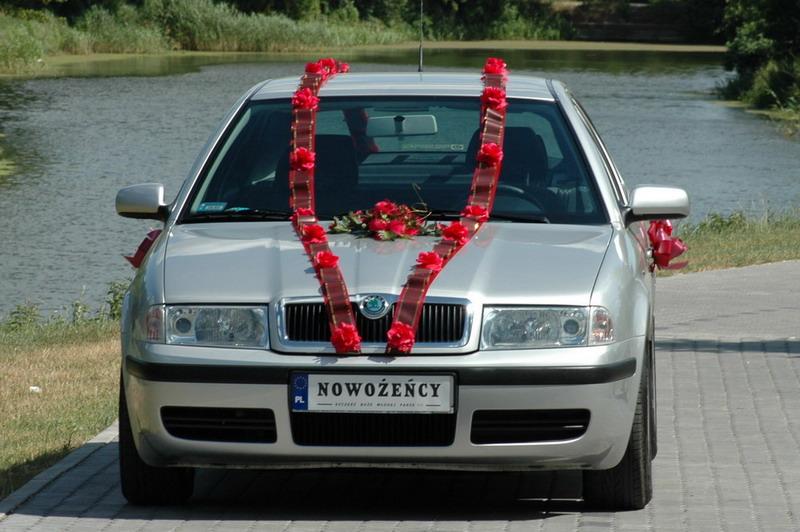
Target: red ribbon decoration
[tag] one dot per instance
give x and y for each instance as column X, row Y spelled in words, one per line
column 302, row 159
column 402, row 333
column 665, row 246
column 401, row 336
column 137, row 258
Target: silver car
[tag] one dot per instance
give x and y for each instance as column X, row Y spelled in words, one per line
column 534, row 348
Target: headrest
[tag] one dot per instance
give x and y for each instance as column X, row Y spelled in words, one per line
column 524, row 157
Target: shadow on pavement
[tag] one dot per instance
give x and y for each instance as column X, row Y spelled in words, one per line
column 348, row 495
column 400, row 495
column 789, row 347
column 16, row 474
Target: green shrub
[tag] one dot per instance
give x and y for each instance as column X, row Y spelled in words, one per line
column 22, row 316
column 27, row 36
column 19, row 49
column 205, row 25
column 120, row 31
column 763, row 49
column 717, row 223
column 513, row 25
column 114, row 297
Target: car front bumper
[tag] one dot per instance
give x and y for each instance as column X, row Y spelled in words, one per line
column 601, row 379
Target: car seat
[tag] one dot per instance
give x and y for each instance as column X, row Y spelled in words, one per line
column 525, row 164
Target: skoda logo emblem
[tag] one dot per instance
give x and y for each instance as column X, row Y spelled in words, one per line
column 373, row 307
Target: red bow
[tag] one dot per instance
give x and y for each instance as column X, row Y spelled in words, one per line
column 137, row 258
column 400, row 337
column 345, row 339
column 665, row 246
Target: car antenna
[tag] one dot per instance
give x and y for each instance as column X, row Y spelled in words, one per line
column 419, row 69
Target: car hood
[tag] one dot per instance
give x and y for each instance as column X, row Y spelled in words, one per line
column 505, row 263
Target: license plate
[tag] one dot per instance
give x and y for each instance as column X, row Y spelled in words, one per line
column 333, row 392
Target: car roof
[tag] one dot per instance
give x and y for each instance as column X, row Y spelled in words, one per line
column 408, row 84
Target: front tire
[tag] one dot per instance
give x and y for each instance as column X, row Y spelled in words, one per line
column 628, row 485
column 142, row 483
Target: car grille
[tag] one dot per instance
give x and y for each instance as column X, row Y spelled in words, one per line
column 439, row 323
column 527, row 426
column 247, row 425
column 396, row 430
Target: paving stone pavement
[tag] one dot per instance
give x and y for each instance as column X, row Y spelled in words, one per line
column 728, row 459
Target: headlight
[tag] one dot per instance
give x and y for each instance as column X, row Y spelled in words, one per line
column 537, row 327
column 207, row 326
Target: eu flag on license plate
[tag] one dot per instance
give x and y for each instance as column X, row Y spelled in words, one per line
column 300, row 391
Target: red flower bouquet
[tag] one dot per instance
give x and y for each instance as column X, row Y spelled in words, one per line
column 313, row 234
column 400, row 337
column 430, row 260
column 345, row 339
column 385, row 221
column 302, row 159
column 495, row 65
column 315, row 68
column 456, row 232
column 494, row 98
column 305, row 99
column 476, row 212
column 326, row 259
column 490, row 154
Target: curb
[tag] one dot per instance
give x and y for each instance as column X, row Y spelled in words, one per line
column 49, row 475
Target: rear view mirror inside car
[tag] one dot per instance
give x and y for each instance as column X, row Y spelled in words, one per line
column 401, row 125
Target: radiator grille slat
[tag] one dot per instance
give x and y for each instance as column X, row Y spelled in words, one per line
column 439, row 323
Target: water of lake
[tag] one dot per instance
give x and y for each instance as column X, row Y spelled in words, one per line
column 78, row 139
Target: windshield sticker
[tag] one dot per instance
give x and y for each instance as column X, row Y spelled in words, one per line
column 433, row 147
column 212, row 206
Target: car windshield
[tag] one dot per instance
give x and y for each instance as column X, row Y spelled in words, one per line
column 417, row 151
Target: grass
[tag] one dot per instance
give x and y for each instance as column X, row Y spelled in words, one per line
column 735, row 240
column 57, row 389
column 58, row 383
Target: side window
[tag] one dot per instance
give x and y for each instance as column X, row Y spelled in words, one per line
column 620, row 190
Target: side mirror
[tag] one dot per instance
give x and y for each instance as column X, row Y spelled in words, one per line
column 144, row 201
column 656, row 202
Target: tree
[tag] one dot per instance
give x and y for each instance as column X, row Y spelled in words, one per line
column 763, row 47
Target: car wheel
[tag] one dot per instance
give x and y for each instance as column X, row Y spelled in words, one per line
column 144, row 484
column 629, row 485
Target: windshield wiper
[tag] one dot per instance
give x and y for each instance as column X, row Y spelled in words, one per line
column 238, row 215
column 523, row 218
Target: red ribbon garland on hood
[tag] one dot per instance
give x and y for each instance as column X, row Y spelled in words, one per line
column 401, row 335
column 302, row 162
column 665, row 246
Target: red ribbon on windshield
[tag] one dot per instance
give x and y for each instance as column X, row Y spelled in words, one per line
column 302, row 162
column 402, row 334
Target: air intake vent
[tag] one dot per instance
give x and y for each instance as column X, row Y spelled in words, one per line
column 439, row 323
column 246, row 425
column 527, row 426
column 396, row 430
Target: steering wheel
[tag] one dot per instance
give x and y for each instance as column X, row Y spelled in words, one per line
column 511, row 190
